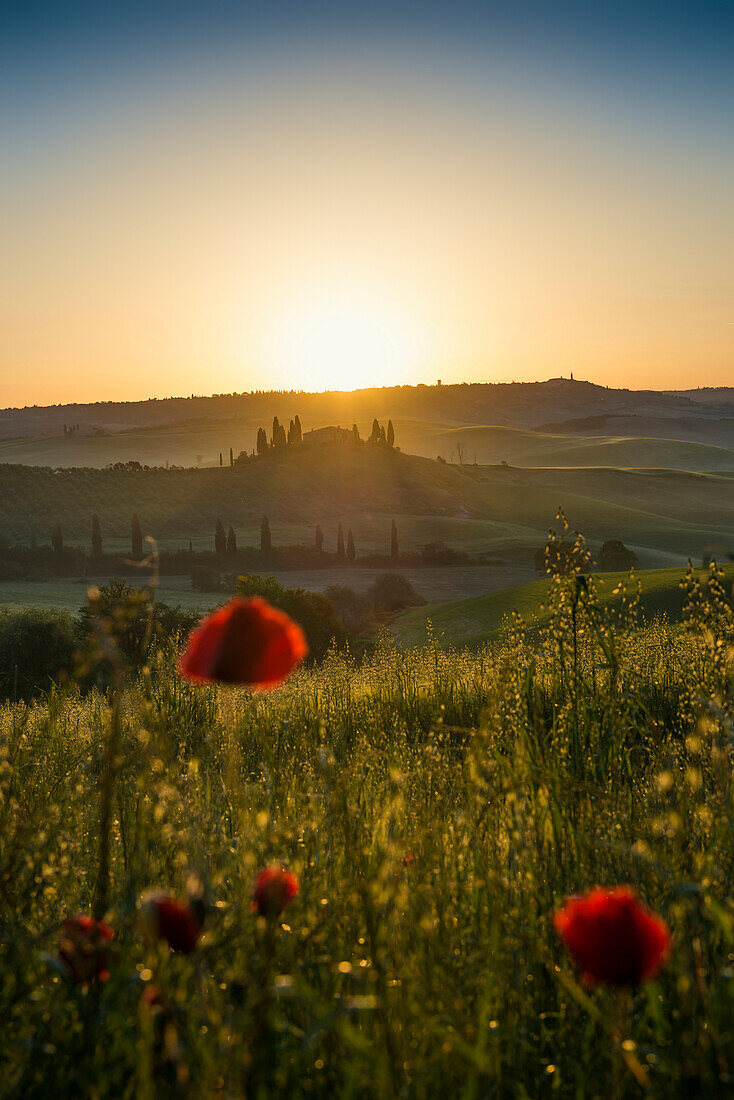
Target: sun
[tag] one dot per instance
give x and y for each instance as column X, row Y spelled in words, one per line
column 343, row 341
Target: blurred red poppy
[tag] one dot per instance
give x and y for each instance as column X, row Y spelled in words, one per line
column 84, row 948
column 275, row 888
column 245, row 642
column 613, row 937
column 173, row 921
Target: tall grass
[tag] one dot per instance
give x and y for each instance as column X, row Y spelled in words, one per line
column 437, row 806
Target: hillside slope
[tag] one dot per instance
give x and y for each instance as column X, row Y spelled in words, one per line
column 480, row 618
column 657, row 512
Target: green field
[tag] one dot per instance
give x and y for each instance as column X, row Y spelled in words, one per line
column 437, row 808
column 666, row 516
column 432, row 584
column 480, row 619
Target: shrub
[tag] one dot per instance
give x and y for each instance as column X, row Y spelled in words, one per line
column 353, row 609
column 614, row 556
column 36, row 646
column 312, row 611
column 393, row 591
column 206, row 579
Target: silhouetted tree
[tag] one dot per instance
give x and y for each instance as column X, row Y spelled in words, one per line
column 136, row 538
column 355, row 433
column 231, row 541
column 191, row 547
column 297, row 430
column 375, row 433
column 96, row 537
column 57, row 540
column 390, row 434
column 340, row 552
column 221, row 463
column 394, row 541
column 266, row 540
column 231, row 457
column 383, row 437
column 262, row 441
column 291, row 433
column 319, row 537
column 276, row 431
column 351, row 552
column 220, row 538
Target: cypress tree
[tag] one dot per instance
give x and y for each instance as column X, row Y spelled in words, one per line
column 57, row 540
column 383, row 438
column 262, row 441
column 340, row 553
column 136, row 538
column 297, row 430
column 96, row 537
column 375, row 433
column 220, row 459
column 276, row 431
column 351, row 552
column 319, row 537
column 231, row 457
column 220, row 538
column 291, row 433
column 231, row 541
column 355, row 433
column 390, row 434
column 394, row 541
column 266, row 539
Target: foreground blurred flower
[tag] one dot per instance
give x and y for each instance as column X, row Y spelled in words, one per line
column 173, row 921
column 274, row 889
column 613, row 937
column 84, row 948
column 245, row 642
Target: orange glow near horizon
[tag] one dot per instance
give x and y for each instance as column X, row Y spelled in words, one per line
column 323, row 236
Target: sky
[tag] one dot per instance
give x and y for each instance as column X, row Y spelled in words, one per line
column 228, row 197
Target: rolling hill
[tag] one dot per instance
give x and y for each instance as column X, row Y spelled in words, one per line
column 478, row 619
column 526, row 423
column 665, row 515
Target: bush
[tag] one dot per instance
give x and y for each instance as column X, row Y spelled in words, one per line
column 614, row 557
column 312, row 611
column 206, row 579
column 37, row 646
column 133, row 621
column 353, row 609
column 393, row 592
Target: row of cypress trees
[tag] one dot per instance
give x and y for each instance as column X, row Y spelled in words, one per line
column 225, row 542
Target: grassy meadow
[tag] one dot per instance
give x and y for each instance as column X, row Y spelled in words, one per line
column 437, row 806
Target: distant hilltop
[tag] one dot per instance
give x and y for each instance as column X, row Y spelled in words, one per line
column 512, row 404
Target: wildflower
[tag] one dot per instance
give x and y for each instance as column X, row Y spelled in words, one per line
column 275, row 888
column 84, row 948
column 173, row 921
column 245, row 642
column 613, row 937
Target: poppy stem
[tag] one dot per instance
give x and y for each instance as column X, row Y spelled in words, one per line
column 107, row 790
column 622, row 1046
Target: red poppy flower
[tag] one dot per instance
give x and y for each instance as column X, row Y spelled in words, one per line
column 173, row 921
column 275, row 888
column 245, row 642
column 84, row 948
column 612, row 936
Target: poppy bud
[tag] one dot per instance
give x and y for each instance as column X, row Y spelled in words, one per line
column 173, row 921
column 275, row 888
column 84, row 948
